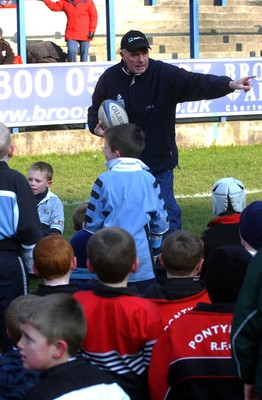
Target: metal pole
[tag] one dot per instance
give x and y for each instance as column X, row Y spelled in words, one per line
column 150, row 2
column 21, row 38
column 110, row 29
column 194, row 29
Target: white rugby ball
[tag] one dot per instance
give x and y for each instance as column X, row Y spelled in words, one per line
column 112, row 113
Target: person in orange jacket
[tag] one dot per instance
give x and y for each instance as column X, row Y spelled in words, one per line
column 80, row 27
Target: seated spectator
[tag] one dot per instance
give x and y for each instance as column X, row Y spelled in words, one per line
column 81, row 275
column 250, row 227
column 78, row 216
column 54, row 261
column 52, row 330
column 122, row 327
column 50, row 208
column 192, row 358
column 6, row 53
column 228, row 200
column 44, row 52
column 15, row 380
column 182, row 256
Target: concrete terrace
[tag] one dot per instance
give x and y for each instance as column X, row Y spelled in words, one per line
column 233, row 30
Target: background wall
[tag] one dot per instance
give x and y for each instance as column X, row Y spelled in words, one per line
column 188, row 136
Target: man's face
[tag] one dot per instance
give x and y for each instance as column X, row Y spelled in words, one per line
column 35, row 352
column 137, row 61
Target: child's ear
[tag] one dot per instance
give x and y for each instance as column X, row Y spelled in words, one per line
column 10, row 151
column 60, row 349
column 160, row 258
column 135, row 265
column 75, row 227
column 199, row 266
column 73, row 264
column 89, row 266
column 8, row 334
column 161, row 261
column 49, row 183
column 35, row 271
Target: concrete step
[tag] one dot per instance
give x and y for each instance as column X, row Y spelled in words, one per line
column 210, row 2
column 235, row 27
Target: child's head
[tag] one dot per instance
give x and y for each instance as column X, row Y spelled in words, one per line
column 78, row 216
column 40, row 176
column 111, row 254
column 125, row 140
column 228, row 196
column 53, row 328
column 225, row 272
column 250, row 226
column 182, row 254
column 6, row 148
column 12, row 314
column 53, row 257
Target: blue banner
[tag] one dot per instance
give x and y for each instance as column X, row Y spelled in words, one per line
column 47, row 94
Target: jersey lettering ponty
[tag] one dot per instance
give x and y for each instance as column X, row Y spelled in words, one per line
column 210, row 332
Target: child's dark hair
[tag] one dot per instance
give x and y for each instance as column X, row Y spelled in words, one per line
column 112, row 253
column 128, row 139
column 181, row 252
column 43, row 167
column 78, row 216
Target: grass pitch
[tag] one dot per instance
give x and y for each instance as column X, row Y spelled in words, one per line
column 74, row 176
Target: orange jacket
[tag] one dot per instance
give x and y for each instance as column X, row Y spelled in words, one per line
column 81, row 17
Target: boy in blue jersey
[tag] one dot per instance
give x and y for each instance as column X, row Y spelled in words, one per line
column 128, row 196
column 50, row 208
column 19, row 231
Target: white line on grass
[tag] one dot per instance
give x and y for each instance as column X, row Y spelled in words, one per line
column 179, row 196
column 185, row 196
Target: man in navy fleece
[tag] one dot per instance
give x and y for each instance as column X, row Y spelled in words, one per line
column 150, row 91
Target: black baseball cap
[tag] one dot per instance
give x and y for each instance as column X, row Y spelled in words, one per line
column 134, row 40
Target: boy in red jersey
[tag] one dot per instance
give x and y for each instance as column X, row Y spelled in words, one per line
column 122, row 327
column 192, row 358
column 182, row 257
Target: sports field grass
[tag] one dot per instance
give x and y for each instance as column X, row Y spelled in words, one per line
column 200, row 168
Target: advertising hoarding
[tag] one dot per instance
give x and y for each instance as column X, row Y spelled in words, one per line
column 46, row 94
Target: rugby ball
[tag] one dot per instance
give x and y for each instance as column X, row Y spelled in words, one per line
column 112, row 113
